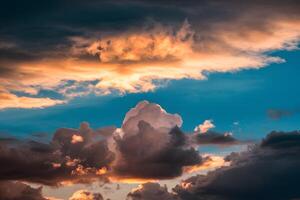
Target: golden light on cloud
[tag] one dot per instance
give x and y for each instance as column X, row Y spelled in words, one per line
column 76, row 139
column 115, row 179
column 133, row 62
column 211, row 162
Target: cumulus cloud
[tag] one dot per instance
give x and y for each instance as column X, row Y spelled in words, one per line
column 150, row 191
column 57, row 162
column 150, row 145
column 151, row 113
column 268, row 170
column 10, row 190
column 85, row 195
column 102, row 60
column 203, row 128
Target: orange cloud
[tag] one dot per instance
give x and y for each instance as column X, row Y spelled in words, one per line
column 9, row 100
column 212, row 162
column 130, row 62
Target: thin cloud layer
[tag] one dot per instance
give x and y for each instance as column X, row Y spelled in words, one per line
column 102, row 56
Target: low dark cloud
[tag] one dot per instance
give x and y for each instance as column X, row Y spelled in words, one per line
column 64, row 159
column 215, row 138
column 148, row 145
column 10, row 190
column 269, row 170
column 142, row 157
column 149, row 191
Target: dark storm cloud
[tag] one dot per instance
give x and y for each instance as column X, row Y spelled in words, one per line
column 143, row 158
column 269, row 170
column 215, row 138
column 149, row 145
column 73, row 155
column 43, row 28
column 10, row 190
column 149, row 191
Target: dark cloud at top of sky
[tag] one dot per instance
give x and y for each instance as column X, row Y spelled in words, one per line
column 37, row 29
column 102, row 41
column 268, row 170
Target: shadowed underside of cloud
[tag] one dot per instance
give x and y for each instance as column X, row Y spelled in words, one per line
column 268, row 170
column 103, row 49
column 58, row 162
column 148, row 146
column 10, row 190
column 148, row 150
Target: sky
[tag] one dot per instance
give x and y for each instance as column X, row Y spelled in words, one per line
column 140, row 99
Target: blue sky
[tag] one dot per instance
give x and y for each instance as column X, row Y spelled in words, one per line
column 243, row 97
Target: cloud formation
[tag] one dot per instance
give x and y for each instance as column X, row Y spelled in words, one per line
column 85, row 195
column 148, row 146
column 59, row 162
column 150, row 191
column 269, row 168
column 10, row 190
column 102, row 55
column 203, row 128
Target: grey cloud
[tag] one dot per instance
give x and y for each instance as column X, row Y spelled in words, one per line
column 215, row 138
column 58, row 161
column 268, row 170
column 10, row 190
column 151, row 191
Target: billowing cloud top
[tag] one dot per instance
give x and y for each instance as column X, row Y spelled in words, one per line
column 148, row 146
column 112, row 46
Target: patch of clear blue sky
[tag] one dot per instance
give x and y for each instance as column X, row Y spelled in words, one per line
column 242, row 97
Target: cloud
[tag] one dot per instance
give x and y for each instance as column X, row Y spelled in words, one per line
column 203, row 128
column 151, row 113
column 270, row 168
column 148, row 146
column 278, row 114
column 10, row 190
column 132, row 54
column 210, row 162
column 85, row 195
column 9, row 100
column 58, row 162
column 150, row 191
column 151, row 146
column 215, row 138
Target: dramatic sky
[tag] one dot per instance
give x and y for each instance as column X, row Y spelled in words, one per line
column 146, row 99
